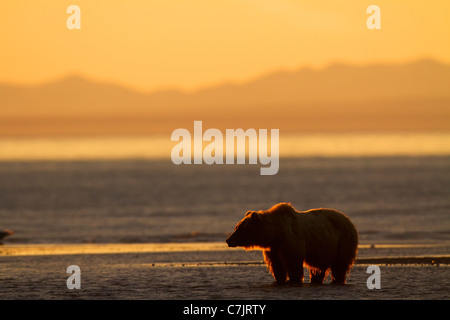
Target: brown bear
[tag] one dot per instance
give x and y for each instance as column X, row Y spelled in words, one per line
column 323, row 239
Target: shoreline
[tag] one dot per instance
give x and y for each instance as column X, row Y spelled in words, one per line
column 391, row 257
column 433, row 261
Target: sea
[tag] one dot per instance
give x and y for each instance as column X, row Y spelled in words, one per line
column 395, row 188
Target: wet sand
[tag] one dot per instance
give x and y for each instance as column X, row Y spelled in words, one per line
column 108, row 248
column 210, row 270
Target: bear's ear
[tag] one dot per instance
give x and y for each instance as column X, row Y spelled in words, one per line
column 255, row 216
column 248, row 212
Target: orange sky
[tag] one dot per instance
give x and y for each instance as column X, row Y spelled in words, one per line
column 155, row 44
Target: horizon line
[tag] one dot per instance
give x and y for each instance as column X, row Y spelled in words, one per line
column 180, row 89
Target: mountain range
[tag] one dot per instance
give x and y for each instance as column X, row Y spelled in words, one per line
column 340, row 98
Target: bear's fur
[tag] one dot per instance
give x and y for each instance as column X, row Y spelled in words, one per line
column 323, row 239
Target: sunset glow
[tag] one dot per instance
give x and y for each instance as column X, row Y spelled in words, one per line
column 149, row 45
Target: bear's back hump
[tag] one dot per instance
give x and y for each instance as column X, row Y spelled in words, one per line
column 336, row 218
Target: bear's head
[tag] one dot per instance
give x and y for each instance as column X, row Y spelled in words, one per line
column 248, row 233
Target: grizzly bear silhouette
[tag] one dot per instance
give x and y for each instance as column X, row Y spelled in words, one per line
column 323, row 239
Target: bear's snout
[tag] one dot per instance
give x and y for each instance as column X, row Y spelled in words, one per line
column 230, row 242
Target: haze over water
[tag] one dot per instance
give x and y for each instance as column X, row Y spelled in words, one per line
column 159, row 147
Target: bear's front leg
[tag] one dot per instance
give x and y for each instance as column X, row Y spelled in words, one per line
column 273, row 262
column 293, row 264
column 295, row 271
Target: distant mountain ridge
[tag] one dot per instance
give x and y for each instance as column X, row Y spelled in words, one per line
column 407, row 97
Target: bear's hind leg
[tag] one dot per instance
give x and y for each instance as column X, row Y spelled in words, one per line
column 338, row 274
column 276, row 268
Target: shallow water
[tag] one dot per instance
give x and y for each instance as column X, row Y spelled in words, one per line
column 390, row 199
